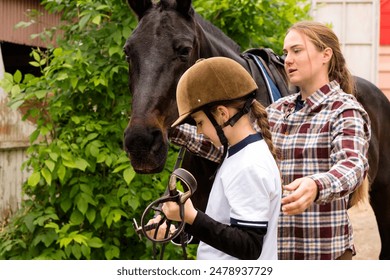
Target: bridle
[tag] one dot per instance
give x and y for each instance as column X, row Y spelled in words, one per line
column 155, row 208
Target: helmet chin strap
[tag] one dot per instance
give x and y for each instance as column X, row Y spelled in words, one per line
column 232, row 121
column 244, row 110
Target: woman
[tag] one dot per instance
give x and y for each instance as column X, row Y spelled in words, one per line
column 240, row 221
column 322, row 134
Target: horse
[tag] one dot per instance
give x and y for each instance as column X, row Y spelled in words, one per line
column 169, row 38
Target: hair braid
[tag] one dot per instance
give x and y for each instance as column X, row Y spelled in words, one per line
column 260, row 114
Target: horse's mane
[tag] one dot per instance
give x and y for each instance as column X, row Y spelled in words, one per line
column 206, row 25
column 212, row 29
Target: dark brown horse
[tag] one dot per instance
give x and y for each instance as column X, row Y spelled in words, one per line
column 169, row 38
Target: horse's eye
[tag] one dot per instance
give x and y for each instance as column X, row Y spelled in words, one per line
column 184, row 52
column 126, row 51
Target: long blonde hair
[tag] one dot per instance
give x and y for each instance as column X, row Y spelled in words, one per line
column 323, row 37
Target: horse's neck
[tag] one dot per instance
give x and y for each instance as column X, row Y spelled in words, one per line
column 213, row 42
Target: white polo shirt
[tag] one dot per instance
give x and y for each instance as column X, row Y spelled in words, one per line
column 247, row 192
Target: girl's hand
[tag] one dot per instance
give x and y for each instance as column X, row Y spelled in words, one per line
column 162, row 229
column 172, row 211
column 302, row 193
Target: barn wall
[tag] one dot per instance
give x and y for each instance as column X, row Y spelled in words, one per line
column 356, row 23
column 12, row 178
column 14, row 139
column 15, row 11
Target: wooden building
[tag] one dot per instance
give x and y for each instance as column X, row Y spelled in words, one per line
column 15, row 49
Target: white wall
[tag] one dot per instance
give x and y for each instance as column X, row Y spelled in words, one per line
column 356, row 23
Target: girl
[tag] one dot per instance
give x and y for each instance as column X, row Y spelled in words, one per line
column 240, row 221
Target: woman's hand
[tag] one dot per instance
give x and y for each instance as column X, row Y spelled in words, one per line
column 302, row 193
column 172, row 211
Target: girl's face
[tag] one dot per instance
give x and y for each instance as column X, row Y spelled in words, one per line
column 305, row 65
column 205, row 127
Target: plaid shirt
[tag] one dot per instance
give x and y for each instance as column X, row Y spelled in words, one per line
column 326, row 140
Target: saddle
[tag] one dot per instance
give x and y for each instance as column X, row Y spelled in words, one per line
column 274, row 66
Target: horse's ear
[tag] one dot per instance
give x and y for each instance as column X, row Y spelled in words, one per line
column 140, row 7
column 185, row 7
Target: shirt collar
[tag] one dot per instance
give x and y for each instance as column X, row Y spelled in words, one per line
column 243, row 143
column 316, row 98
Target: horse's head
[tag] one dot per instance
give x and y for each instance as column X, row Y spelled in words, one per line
column 160, row 49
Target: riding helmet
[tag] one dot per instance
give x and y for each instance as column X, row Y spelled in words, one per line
column 211, row 80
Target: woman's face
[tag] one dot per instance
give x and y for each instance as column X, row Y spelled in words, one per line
column 205, row 127
column 305, row 65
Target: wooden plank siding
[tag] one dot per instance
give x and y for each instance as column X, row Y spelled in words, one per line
column 356, row 24
column 14, row 139
column 12, row 178
column 14, row 11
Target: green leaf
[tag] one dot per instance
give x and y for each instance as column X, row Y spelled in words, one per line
column 36, row 56
column 120, row 168
column 15, row 90
column 61, row 172
column 92, row 136
column 50, row 164
column 76, row 251
column 70, row 164
column 40, row 93
column 83, row 21
column 64, row 242
column 146, row 195
column 104, row 212
column 53, row 156
column 66, row 204
column 76, row 217
column 81, row 164
column 47, row 175
column 82, row 205
column 29, row 222
column 62, row 76
column 86, row 251
column 34, row 179
column 34, row 135
column 97, row 19
column 75, row 119
column 95, row 242
column 34, row 63
column 91, row 215
column 128, row 175
column 18, row 76
column 94, row 150
column 112, row 252
column 52, row 225
column 81, row 239
column 101, row 158
column 49, row 238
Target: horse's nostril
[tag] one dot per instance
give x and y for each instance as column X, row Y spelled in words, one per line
column 157, row 140
column 141, row 140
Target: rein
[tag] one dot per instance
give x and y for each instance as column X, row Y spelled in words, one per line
column 155, row 208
